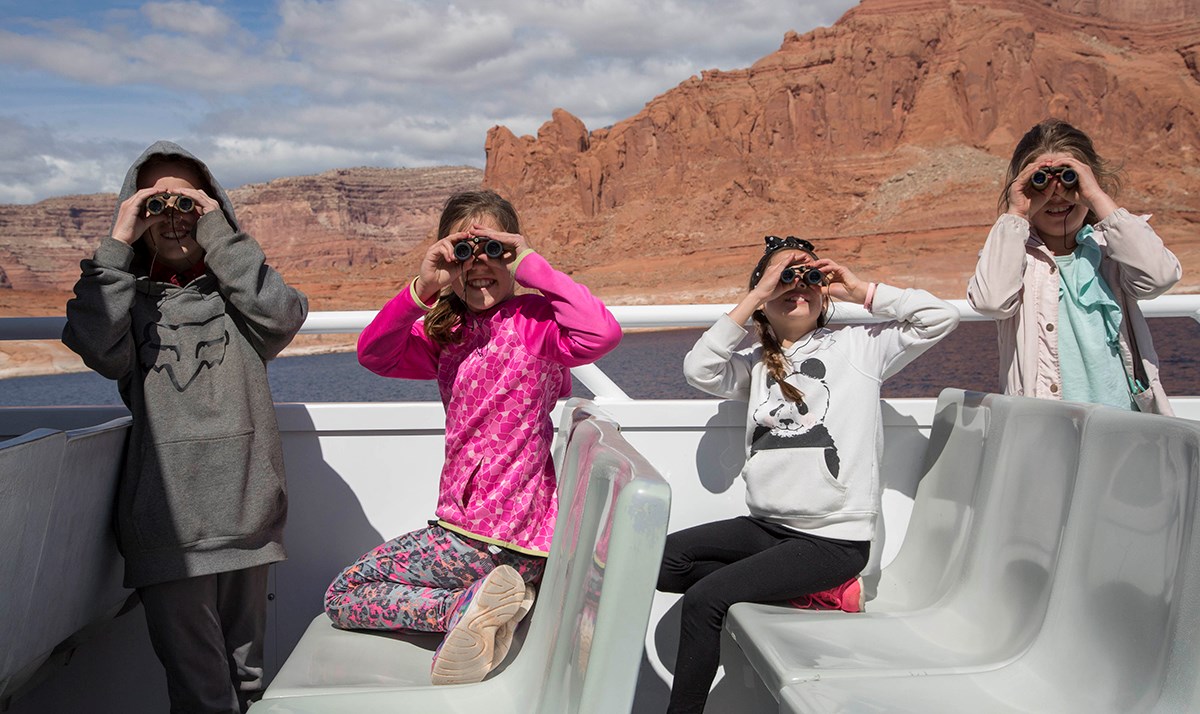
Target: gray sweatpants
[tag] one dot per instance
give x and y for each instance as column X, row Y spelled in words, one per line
column 208, row 633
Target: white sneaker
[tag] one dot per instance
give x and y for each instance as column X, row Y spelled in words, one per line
column 468, row 651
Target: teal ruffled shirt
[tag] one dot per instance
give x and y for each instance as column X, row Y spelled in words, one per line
column 1089, row 323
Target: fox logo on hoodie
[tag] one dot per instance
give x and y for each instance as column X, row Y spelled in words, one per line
column 783, row 424
column 183, row 351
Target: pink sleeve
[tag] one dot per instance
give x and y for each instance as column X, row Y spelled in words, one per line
column 579, row 329
column 395, row 343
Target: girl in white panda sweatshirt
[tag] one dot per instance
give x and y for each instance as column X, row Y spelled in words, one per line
column 814, row 438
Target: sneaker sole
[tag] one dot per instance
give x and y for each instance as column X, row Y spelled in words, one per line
column 466, row 655
column 504, row 635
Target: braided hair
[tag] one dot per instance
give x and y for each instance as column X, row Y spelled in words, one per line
column 772, row 350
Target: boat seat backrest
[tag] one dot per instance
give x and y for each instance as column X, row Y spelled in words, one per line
column 81, row 570
column 934, row 549
column 582, row 649
column 29, row 469
column 1127, row 554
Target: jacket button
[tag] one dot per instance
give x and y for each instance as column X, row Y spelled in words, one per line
column 1050, row 327
column 1054, row 389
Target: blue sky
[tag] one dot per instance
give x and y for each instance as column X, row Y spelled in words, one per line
column 288, row 87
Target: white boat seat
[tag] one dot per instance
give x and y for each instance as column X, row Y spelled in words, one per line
column 1121, row 627
column 973, row 574
column 78, row 571
column 82, row 570
column 29, row 468
column 583, row 645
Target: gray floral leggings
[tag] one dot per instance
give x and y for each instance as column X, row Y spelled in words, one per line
column 416, row 581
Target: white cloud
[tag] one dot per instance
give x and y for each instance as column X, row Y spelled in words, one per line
column 331, row 83
column 190, row 18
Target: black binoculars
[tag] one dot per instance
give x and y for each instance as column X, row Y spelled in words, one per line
column 161, row 202
column 806, row 275
column 465, row 248
column 1066, row 176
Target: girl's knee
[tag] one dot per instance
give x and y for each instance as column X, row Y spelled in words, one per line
column 672, row 574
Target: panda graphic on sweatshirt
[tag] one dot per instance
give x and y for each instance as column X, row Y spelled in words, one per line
column 784, row 424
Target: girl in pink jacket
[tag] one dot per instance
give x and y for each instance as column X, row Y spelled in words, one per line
column 1062, row 272
column 501, row 361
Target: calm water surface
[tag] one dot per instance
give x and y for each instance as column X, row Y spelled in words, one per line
column 647, row 365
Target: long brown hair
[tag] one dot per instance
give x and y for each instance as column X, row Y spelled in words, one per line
column 1054, row 136
column 448, row 312
column 772, row 351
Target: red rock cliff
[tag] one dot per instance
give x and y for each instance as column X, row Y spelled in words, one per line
column 884, row 136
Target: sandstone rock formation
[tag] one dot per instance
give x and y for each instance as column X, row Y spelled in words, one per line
column 884, row 137
column 318, row 227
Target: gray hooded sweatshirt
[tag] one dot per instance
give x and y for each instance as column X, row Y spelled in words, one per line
column 203, row 486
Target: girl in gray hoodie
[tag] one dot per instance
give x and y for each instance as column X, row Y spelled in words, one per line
column 179, row 307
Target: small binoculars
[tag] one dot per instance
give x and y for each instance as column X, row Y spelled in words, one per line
column 161, row 202
column 804, row 273
column 465, row 248
column 1066, row 176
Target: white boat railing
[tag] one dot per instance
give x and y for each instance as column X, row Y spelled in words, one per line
column 631, row 317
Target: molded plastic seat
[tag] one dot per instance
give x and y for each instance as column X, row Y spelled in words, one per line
column 988, row 580
column 1121, row 627
column 582, row 649
column 81, row 570
column 29, row 468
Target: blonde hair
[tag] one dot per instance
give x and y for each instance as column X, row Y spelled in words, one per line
column 442, row 321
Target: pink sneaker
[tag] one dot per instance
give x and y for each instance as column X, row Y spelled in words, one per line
column 846, row 597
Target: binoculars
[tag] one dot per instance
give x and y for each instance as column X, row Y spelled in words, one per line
column 806, row 275
column 161, row 202
column 465, row 248
column 1066, row 176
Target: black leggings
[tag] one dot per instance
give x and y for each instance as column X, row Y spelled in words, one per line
column 740, row 560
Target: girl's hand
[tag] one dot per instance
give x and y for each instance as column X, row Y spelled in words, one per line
column 514, row 243
column 1087, row 191
column 204, row 202
column 133, row 219
column 1023, row 199
column 436, row 268
column 769, row 287
column 843, row 283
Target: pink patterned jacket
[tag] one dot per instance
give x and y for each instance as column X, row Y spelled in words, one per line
column 498, row 386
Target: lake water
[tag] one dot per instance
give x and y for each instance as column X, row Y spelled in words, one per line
column 647, row 365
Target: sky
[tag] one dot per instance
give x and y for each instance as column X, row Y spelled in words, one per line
column 264, row 89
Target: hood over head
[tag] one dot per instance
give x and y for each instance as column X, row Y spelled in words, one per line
column 171, row 150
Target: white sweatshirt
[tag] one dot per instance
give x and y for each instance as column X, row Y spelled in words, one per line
column 814, row 466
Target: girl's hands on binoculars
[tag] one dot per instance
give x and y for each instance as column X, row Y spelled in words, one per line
column 133, row 219
column 1026, row 201
column 843, row 284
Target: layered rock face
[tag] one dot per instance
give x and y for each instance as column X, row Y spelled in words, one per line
column 884, row 138
column 322, row 230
